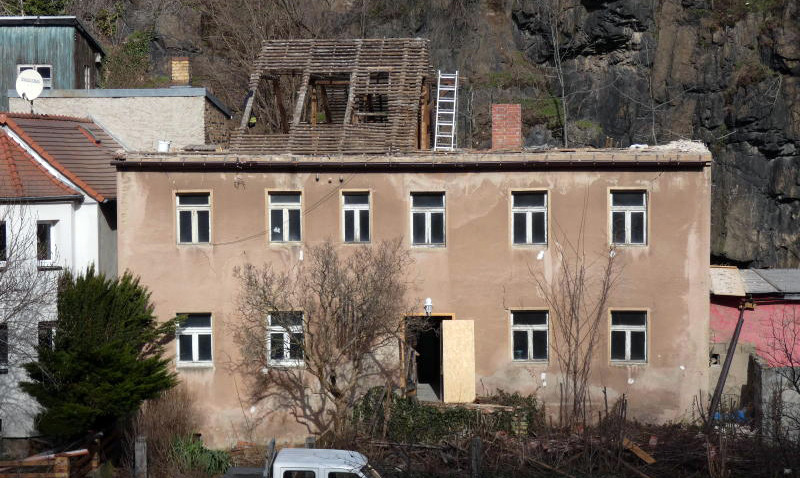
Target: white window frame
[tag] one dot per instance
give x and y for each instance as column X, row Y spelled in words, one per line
column 285, row 208
column 428, row 210
column 356, row 208
column 4, row 229
column 46, row 82
column 627, row 210
column 195, row 332
column 628, row 329
column 528, row 211
column 193, row 209
column 530, row 329
column 287, row 335
column 87, row 77
column 52, row 246
column 4, row 365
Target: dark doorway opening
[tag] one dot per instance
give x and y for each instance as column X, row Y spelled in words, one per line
column 426, row 340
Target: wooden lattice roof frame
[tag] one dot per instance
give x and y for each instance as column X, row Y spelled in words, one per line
column 405, row 66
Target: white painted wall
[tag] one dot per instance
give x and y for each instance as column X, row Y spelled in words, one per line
column 76, row 245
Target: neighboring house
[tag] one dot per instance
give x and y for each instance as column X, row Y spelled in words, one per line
column 475, row 223
column 769, row 344
column 140, row 118
column 59, row 48
column 57, row 211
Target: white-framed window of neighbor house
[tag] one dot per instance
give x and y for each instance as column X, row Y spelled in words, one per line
column 45, row 243
column 355, row 216
column 629, row 336
column 4, row 346
column 3, row 243
column 529, row 216
column 628, row 219
column 194, row 340
column 530, row 335
column 284, row 216
column 428, row 219
column 285, row 339
column 45, row 70
column 193, row 210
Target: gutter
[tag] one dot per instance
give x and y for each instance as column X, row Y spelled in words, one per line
column 44, row 199
column 350, row 166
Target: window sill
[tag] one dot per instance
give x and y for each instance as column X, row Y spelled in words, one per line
column 530, row 362
column 44, row 266
column 356, row 243
column 625, row 363
column 285, row 243
column 207, row 244
column 284, row 365
column 189, row 365
column 529, row 246
column 423, row 247
column 627, row 245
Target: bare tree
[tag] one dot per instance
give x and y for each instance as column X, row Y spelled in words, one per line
column 314, row 339
column 576, row 295
column 27, row 300
column 782, row 352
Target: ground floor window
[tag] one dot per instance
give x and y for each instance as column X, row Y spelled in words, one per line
column 628, row 336
column 194, row 339
column 529, row 334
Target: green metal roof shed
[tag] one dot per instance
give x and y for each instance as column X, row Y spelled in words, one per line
column 60, row 48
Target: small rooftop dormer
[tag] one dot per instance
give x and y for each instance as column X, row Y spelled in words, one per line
column 338, row 96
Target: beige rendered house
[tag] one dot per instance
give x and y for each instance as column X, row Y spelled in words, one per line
column 477, row 224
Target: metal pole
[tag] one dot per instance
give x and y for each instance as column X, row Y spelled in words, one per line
column 723, row 375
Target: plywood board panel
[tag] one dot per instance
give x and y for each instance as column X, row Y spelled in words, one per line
column 458, row 361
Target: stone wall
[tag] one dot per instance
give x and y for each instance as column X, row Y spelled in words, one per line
column 217, row 126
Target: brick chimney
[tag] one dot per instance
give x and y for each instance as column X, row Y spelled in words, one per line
column 180, row 70
column 507, row 127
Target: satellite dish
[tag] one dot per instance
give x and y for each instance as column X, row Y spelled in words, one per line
column 29, row 84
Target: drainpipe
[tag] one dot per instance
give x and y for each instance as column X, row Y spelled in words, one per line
column 745, row 304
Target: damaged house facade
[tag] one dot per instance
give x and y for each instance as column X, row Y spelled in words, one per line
column 335, row 145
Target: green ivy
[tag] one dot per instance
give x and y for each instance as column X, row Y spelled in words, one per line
column 412, row 421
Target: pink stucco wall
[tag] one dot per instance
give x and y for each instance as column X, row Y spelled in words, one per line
column 774, row 322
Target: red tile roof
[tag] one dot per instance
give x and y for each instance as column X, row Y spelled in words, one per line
column 78, row 148
column 21, row 176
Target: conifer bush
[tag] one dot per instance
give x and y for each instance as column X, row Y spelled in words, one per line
column 105, row 359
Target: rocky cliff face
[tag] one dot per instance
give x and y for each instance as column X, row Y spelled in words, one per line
column 726, row 72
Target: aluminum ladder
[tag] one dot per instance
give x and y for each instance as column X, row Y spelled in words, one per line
column 446, row 106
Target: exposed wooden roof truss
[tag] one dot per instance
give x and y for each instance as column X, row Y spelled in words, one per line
column 344, row 96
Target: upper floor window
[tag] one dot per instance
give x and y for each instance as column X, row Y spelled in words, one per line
column 356, row 217
column 285, row 338
column 194, row 339
column 530, row 217
column 44, row 241
column 47, row 334
column 194, row 218
column 628, row 217
column 3, row 345
column 628, row 336
column 45, row 70
column 284, row 216
column 3, row 242
column 427, row 219
column 529, row 330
